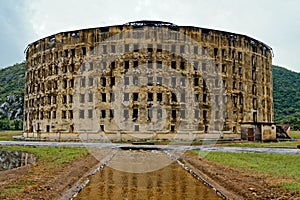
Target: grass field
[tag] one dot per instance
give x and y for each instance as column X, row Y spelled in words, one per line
column 51, row 155
column 276, row 165
column 295, row 134
column 8, row 135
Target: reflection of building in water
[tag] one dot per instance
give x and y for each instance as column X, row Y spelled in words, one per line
column 148, row 80
column 14, row 159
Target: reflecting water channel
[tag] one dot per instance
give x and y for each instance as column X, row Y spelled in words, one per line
column 14, row 159
column 168, row 182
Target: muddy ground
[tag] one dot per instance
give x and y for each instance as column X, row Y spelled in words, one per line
column 48, row 183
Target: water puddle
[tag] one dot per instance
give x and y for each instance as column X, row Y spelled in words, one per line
column 14, row 159
column 168, row 182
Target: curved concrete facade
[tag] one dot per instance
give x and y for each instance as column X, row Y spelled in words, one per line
column 147, row 80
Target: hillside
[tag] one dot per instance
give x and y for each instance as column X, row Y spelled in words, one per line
column 286, row 86
column 286, row 93
column 12, row 82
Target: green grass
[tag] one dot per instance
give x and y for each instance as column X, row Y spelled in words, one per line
column 276, row 165
column 51, row 155
column 295, row 134
column 285, row 144
column 8, row 135
column 16, row 188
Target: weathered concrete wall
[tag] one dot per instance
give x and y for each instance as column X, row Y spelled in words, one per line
column 66, row 93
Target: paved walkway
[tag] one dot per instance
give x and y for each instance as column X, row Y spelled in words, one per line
column 156, row 147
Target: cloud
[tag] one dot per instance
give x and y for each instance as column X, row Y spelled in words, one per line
column 15, row 32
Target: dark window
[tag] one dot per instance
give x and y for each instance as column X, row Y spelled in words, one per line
column 126, row 80
column 195, row 49
column 64, row 114
column 215, row 52
column 66, row 53
column 150, row 64
column 182, row 114
column 113, row 49
column 182, row 81
column 101, row 127
column 182, row 97
column 126, row 114
column 70, row 114
column 90, row 97
column 159, row 96
column 111, row 113
column 126, row 96
column 82, row 82
column 112, row 97
column 204, row 98
column 136, row 48
column 135, row 113
column 112, row 81
column 223, row 68
column 182, row 65
column 173, row 64
column 159, row 113
column 81, row 114
column 81, row 98
column 173, row 48
column 181, row 48
column 204, row 115
column 103, row 97
column 150, row 80
column 159, row 80
column 196, row 97
column 126, row 48
column 159, row 48
column 126, row 63
column 135, row 96
column 83, row 51
column 91, row 81
column 103, row 81
column 196, row 65
column 172, row 128
column 173, row 82
column 64, row 99
column 196, row 116
column 90, row 113
column 91, row 66
column 136, row 127
column 136, row 80
column 174, row 114
column 196, row 81
column 104, row 49
column 135, row 64
column 150, row 97
column 72, row 68
column 113, row 65
column 174, row 99
column 159, row 64
column 150, row 48
column 150, row 114
column 103, row 114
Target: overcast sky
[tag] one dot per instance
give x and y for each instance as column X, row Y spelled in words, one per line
column 276, row 23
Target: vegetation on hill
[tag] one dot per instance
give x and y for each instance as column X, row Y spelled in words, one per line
column 12, row 83
column 286, row 93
